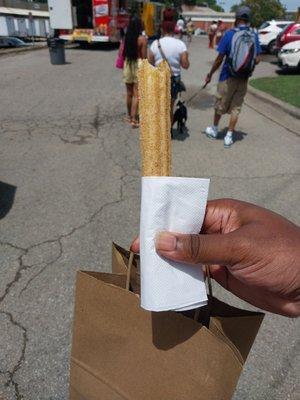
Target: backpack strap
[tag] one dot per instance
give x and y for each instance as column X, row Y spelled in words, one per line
column 162, row 53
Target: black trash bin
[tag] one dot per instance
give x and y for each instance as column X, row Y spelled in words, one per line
column 57, row 51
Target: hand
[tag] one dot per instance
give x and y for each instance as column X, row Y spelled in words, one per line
column 252, row 252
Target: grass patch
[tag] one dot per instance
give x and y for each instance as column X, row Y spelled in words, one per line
column 285, row 88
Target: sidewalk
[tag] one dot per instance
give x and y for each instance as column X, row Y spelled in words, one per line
column 272, row 108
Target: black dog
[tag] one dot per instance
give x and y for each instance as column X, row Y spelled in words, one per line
column 180, row 116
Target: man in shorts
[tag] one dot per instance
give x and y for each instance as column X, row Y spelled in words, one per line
column 231, row 90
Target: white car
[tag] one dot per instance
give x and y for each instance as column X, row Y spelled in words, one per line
column 289, row 55
column 268, row 32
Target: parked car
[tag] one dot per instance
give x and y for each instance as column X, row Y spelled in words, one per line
column 290, row 34
column 289, row 55
column 199, row 32
column 9, row 42
column 268, row 33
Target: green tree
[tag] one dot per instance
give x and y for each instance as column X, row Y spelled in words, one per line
column 262, row 10
column 213, row 4
column 209, row 3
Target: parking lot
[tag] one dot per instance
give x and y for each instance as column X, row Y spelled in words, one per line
column 70, row 180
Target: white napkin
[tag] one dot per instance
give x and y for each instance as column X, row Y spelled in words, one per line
column 176, row 205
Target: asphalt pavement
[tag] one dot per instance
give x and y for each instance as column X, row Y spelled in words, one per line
column 70, row 184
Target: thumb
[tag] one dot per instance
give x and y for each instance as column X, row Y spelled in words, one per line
column 219, row 249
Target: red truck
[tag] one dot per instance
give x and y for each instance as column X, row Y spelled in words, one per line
column 89, row 21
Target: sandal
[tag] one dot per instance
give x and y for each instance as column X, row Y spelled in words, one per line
column 127, row 119
column 135, row 124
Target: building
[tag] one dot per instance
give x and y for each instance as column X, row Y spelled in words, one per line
column 24, row 19
column 202, row 17
column 293, row 15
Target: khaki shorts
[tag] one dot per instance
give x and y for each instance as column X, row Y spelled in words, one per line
column 130, row 71
column 230, row 96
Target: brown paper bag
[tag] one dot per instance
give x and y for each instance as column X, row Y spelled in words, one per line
column 121, row 351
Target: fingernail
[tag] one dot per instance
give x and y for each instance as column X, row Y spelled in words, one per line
column 165, row 241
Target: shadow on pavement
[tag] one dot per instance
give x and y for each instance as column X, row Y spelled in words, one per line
column 7, row 196
column 180, row 136
column 288, row 71
column 199, row 99
column 237, row 135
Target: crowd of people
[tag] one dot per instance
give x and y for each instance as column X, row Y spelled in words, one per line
column 185, row 27
column 233, row 80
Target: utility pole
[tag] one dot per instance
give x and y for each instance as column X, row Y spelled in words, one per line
column 298, row 15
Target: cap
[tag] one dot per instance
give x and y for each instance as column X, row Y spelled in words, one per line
column 243, row 13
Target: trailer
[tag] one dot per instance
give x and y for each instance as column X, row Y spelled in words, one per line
column 24, row 23
column 89, row 21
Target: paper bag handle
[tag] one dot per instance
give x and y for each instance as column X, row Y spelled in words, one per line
column 130, row 261
column 209, row 284
column 210, row 292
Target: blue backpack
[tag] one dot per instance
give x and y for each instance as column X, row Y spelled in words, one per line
column 241, row 60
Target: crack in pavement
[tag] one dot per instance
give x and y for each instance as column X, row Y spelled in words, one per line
column 17, row 276
column 18, row 365
column 59, row 240
column 97, row 125
column 68, row 125
column 23, row 267
column 44, row 267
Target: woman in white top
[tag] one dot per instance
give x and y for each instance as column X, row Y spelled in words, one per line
column 175, row 52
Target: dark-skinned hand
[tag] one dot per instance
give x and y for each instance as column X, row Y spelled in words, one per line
column 251, row 251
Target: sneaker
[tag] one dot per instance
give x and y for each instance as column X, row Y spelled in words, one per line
column 211, row 132
column 228, row 141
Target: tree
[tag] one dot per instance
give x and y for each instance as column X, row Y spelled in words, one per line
column 262, row 10
column 213, row 4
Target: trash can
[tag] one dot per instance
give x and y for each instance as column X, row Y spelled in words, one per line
column 57, row 51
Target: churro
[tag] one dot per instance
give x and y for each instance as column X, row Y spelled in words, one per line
column 155, row 121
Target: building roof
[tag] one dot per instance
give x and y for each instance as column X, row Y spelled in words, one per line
column 198, row 9
column 20, row 11
column 205, row 12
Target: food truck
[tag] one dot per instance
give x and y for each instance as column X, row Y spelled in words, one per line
column 89, row 21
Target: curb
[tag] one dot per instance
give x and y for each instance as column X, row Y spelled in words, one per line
column 288, row 108
column 21, row 50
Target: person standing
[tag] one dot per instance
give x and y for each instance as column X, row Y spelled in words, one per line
column 190, row 29
column 211, row 34
column 180, row 27
column 220, row 31
column 240, row 48
column 174, row 51
column 135, row 48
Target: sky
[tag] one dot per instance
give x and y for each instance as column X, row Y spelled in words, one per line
column 290, row 4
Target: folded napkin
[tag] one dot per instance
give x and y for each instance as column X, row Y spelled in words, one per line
column 176, row 205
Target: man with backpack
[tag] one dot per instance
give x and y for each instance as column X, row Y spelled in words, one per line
column 240, row 48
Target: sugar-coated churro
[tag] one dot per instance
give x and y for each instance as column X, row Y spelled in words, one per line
column 155, row 124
